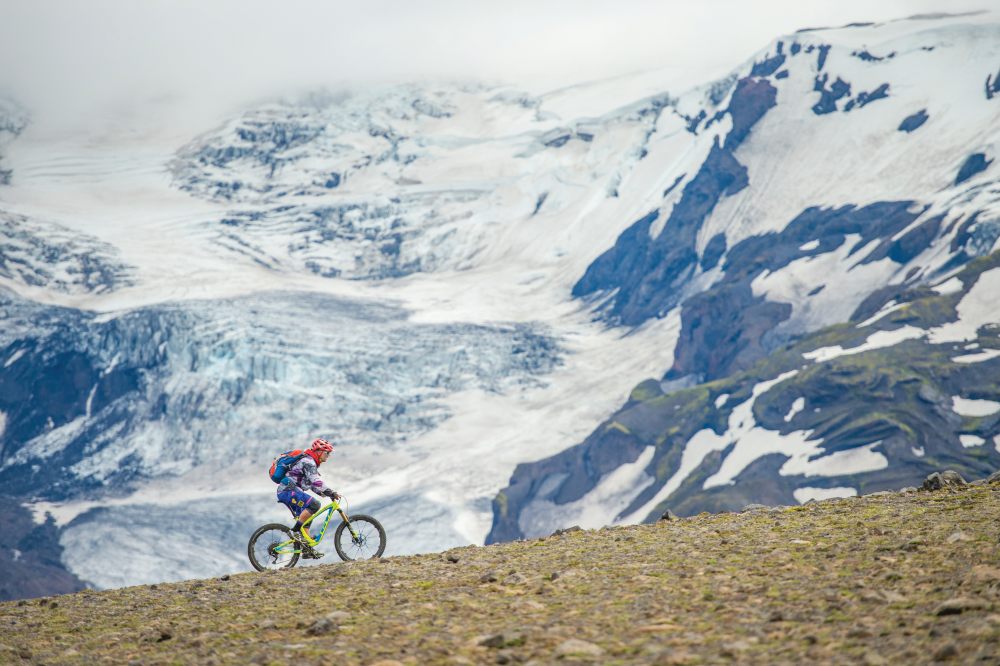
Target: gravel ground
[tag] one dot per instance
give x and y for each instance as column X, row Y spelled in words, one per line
column 908, row 577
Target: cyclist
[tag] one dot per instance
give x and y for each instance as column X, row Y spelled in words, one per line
column 302, row 477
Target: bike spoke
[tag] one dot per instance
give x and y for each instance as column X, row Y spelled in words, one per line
column 271, row 548
column 362, row 542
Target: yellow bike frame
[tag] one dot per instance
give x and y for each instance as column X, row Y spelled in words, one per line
column 328, row 510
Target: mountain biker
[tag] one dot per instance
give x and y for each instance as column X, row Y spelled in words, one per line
column 302, row 477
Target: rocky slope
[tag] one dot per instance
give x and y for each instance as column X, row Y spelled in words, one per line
column 908, row 577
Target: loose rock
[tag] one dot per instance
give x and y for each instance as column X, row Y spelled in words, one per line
column 574, row 528
column 946, row 652
column 946, row 479
column 574, row 647
column 959, row 605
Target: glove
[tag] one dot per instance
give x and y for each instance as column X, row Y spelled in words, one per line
column 332, row 494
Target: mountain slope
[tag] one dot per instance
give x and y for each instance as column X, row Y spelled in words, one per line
column 850, row 409
column 777, row 235
column 898, row 577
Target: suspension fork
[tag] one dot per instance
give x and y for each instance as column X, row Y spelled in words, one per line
column 348, row 522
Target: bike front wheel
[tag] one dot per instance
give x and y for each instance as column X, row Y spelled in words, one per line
column 365, row 541
column 271, row 547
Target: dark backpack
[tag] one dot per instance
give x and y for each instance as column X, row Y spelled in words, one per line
column 283, row 463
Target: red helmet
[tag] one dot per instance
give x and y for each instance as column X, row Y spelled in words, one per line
column 321, row 445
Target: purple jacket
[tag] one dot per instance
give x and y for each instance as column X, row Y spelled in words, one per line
column 305, row 475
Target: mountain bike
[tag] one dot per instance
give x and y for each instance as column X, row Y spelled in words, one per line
column 359, row 537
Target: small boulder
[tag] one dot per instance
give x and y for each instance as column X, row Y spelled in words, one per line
column 994, row 477
column 493, row 641
column 959, row 605
column 574, row 528
column 946, row 652
column 327, row 624
column 504, row 639
column 574, row 647
column 321, row 626
column 946, row 479
column 668, row 515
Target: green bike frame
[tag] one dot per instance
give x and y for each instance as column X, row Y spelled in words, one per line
column 289, row 547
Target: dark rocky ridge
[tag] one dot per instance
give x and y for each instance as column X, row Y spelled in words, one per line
column 31, row 560
column 974, row 164
column 914, row 121
column 649, row 273
column 724, row 328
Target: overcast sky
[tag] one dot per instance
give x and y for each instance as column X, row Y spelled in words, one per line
column 72, row 55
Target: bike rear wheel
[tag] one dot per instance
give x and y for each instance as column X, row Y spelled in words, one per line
column 271, row 547
column 368, row 544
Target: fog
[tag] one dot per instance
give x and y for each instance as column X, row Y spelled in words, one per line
column 67, row 60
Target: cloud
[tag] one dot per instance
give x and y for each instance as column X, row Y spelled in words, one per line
column 70, row 57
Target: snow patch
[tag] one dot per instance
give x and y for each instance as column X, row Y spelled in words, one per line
column 721, row 400
column 976, row 309
column 803, row 495
column 851, row 461
column 952, row 286
column 918, row 451
column 811, row 245
column 984, row 355
column 876, row 340
column 970, row 441
column 741, row 426
column 16, row 355
column 797, row 407
column 796, row 284
column 612, row 494
column 891, row 306
column 966, row 407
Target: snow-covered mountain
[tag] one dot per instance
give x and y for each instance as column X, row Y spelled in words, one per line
column 607, row 303
column 845, row 178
